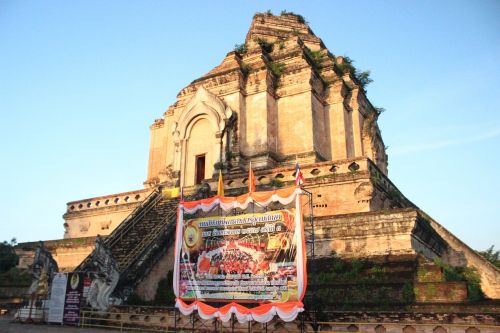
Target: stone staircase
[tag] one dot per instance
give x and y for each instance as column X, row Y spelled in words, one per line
column 140, row 240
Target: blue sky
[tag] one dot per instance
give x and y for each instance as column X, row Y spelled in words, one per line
column 81, row 81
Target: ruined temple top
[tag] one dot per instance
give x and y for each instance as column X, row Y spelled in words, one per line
column 287, row 97
column 272, row 28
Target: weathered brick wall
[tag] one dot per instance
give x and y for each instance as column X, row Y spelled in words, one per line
column 359, row 235
column 440, row 292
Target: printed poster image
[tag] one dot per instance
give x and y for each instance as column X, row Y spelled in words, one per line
column 57, row 297
column 251, row 257
column 74, row 291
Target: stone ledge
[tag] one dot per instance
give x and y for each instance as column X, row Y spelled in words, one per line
column 100, row 210
column 58, row 243
column 110, row 200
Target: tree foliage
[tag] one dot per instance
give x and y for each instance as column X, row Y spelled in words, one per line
column 8, row 256
column 491, row 255
column 467, row 274
column 165, row 293
column 265, row 45
column 363, row 77
column 241, row 49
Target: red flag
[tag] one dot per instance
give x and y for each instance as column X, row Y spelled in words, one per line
column 251, row 180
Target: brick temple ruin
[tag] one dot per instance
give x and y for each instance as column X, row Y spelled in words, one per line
column 280, row 96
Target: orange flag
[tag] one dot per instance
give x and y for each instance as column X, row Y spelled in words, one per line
column 251, row 179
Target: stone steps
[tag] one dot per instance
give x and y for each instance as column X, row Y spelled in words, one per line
column 139, row 240
column 129, row 245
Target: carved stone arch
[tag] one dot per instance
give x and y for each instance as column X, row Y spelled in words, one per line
column 439, row 329
column 203, row 102
column 198, row 111
column 409, row 329
column 187, row 128
column 472, row 330
column 203, row 106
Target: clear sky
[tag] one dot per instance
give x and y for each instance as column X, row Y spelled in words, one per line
column 81, row 81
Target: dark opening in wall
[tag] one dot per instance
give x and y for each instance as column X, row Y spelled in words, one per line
column 199, row 169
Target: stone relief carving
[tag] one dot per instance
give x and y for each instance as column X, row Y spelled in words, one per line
column 364, row 191
column 105, row 276
column 84, row 226
column 105, row 225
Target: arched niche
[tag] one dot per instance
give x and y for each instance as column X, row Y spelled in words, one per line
column 197, row 131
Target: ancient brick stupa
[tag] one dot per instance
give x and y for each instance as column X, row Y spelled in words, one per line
column 282, row 96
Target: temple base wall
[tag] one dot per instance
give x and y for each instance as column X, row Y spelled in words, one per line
column 68, row 253
column 100, row 215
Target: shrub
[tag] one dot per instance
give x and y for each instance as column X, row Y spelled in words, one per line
column 316, row 57
column 379, row 110
column 300, row 18
column 363, row 78
column 245, row 69
column 467, row 274
column 265, row 45
column 276, row 68
column 241, row 49
column 276, row 183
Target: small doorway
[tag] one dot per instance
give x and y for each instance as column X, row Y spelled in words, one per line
column 200, row 169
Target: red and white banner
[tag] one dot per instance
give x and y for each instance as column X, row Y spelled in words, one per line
column 256, row 257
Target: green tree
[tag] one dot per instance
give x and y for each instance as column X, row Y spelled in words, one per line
column 491, row 255
column 8, row 256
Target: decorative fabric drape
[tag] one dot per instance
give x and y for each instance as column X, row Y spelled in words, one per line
column 264, row 313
